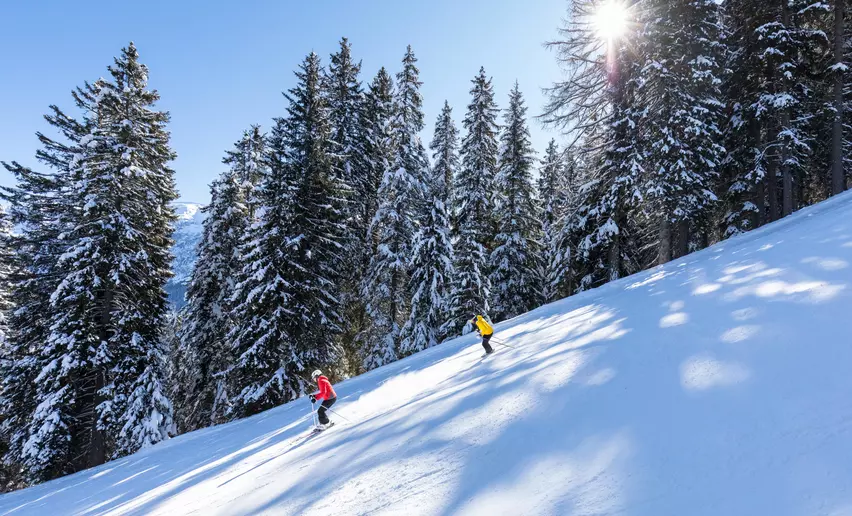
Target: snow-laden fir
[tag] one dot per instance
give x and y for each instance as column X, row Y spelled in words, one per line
column 715, row 384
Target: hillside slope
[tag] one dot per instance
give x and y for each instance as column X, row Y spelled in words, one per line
column 719, row 384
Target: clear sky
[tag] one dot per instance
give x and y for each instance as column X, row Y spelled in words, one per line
column 222, row 65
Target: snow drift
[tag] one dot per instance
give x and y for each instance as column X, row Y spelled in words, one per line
column 718, row 384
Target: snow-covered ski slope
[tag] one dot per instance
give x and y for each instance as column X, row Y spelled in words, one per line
column 720, row 384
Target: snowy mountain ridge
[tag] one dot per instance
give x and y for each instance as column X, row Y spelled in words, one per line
column 717, row 384
column 188, row 230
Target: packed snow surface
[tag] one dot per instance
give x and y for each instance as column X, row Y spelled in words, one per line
column 718, row 384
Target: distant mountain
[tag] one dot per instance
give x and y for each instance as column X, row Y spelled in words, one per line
column 187, row 235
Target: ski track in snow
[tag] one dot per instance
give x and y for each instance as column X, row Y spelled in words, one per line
column 718, row 384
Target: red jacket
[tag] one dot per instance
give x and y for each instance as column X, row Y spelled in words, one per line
column 326, row 392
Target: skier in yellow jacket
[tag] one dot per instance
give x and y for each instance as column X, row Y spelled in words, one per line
column 485, row 330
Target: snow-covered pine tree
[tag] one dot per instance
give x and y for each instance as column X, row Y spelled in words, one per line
column 287, row 300
column 379, row 147
column 40, row 206
column 10, row 474
column 346, row 103
column 816, row 117
column 681, row 102
column 431, row 276
column 432, row 251
column 345, row 107
column 181, row 369
column 401, row 200
column 410, row 122
column 140, row 151
column 556, row 190
column 99, row 231
column 777, row 68
column 595, row 104
column 561, row 279
column 207, row 315
column 472, row 207
column 445, row 151
column 550, row 184
column 37, row 209
column 783, row 102
column 743, row 168
column 514, row 260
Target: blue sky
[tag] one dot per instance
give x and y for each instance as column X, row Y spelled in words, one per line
column 221, row 66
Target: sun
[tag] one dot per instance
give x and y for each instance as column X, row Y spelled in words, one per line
column 611, row 20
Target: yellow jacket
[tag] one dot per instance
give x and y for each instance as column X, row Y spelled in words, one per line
column 482, row 325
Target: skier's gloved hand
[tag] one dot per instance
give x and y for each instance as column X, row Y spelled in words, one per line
column 313, row 399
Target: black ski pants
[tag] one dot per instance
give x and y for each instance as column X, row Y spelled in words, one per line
column 325, row 405
column 486, row 343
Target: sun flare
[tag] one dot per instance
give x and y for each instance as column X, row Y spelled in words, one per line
column 611, row 20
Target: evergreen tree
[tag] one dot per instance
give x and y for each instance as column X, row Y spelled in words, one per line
column 346, row 106
column 560, row 262
column 207, row 316
column 401, row 197
column 432, row 272
column 41, row 216
column 432, row 252
column 411, row 154
column 101, row 232
column 556, row 191
column 743, row 168
column 777, row 62
column 379, row 154
column 445, row 151
column 380, row 146
column 287, row 299
column 472, row 210
column 597, row 103
column 10, row 474
column 140, row 149
column 514, row 261
column 681, row 102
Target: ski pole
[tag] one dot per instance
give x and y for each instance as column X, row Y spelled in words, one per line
column 502, row 343
column 314, row 415
column 336, row 414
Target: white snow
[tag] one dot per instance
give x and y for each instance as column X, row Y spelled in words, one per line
column 739, row 405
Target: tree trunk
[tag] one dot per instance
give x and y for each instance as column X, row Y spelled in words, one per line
column 665, row 254
column 614, row 257
column 761, row 216
column 838, row 179
column 788, row 181
column 682, row 228
column 96, row 454
column 786, row 173
column 772, row 187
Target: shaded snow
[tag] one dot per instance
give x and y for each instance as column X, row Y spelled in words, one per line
column 737, row 405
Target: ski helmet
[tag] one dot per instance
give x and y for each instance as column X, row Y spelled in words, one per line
column 316, row 374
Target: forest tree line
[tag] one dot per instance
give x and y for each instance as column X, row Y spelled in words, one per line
column 339, row 240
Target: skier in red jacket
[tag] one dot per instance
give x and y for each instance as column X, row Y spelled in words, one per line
column 326, row 394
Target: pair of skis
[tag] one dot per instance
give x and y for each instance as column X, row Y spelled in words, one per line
column 320, row 429
column 314, row 431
